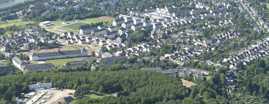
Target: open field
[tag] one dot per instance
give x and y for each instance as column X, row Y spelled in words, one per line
column 93, row 97
column 59, row 62
column 16, row 22
column 73, row 26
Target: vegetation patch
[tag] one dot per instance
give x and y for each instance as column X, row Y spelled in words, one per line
column 16, row 22
column 94, row 96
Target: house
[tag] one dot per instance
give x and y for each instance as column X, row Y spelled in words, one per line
column 87, row 30
column 93, row 30
column 127, row 25
column 118, row 21
column 41, row 56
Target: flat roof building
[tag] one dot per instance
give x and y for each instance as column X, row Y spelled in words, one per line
column 42, row 56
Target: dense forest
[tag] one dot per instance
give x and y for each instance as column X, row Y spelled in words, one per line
column 124, row 77
column 142, row 87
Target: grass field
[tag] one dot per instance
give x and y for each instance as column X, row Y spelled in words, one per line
column 58, row 62
column 73, row 26
column 16, row 22
column 61, row 62
column 94, row 96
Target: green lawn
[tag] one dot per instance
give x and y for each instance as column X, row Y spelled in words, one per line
column 94, row 96
column 59, row 62
column 73, row 26
column 16, row 22
column 96, row 20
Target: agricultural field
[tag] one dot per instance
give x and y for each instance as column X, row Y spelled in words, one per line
column 60, row 26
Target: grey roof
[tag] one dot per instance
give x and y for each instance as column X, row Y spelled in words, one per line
column 59, row 53
column 39, row 67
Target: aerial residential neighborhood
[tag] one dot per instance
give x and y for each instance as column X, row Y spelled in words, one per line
column 134, row 51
